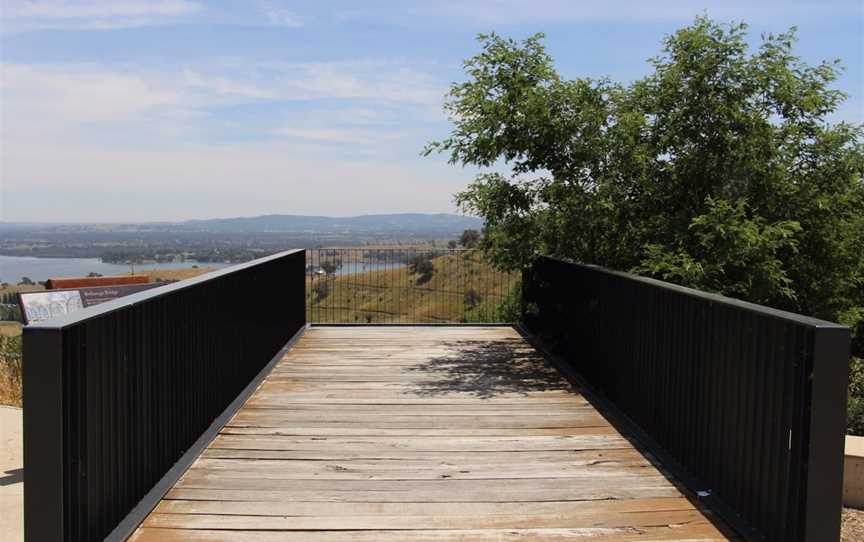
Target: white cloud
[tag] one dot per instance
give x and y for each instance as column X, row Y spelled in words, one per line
column 373, row 80
column 71, row 94
column 492, row 13
column 94, row 14
column 87, row 93
column 369, row 80
column 116, row 110
column 225, row 86
column 352, row 135
column 282, row 17
column 18, row 16
column 101, row 9
column 128, row 135
column 140, row 184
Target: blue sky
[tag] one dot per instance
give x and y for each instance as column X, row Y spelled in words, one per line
column 174, row 109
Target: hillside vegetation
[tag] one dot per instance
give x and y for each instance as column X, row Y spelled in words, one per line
column 171, row 275
column 460, row 287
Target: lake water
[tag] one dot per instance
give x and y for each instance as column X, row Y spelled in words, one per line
column 12, row 268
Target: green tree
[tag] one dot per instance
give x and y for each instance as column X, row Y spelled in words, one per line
column 718, row 170
column 321, row 289
column 472, row 298
column 331, row 266
column 469, row 238
column 421, row 265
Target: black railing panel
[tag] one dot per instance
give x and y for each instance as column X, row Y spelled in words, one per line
column 116, row 393
column 748, row 400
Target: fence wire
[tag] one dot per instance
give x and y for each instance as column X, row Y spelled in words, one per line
column 407, row 285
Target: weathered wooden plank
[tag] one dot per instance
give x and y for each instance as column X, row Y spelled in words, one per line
column 361, row 430
column 578, row 416
column 703, row 532
column 574, row 492
column 444, row 457
column 285, row 419
column 445, row 509
column 341, row 397
column 591, row 441
column 351, row 470
column 482, row 409
column 597, row 519
column 416, row 488
column 423, row 434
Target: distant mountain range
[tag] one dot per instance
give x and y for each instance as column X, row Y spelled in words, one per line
column 441, row 225
column 396, row 224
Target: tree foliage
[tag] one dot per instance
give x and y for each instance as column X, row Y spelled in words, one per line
column 855, row 411
column 330, row 266
column 321, row 289
column 469, row 239
column 718, row 170
column 421, row 265
column 472, row 298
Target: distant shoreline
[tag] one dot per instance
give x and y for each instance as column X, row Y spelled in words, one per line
column 14, row 268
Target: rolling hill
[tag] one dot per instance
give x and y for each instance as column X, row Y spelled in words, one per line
column 408, row 224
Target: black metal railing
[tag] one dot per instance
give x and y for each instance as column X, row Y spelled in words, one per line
column 115, row 394
column 407, row 285
column 748, row 402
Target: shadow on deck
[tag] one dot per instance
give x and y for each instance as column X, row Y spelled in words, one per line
column 486, row 369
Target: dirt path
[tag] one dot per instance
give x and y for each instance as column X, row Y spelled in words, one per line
column 853, row 525
column 11, row 476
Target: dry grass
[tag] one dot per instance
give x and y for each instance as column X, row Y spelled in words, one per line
column 10, row 369
column 394, row 295
column 157, row 275
column 10, row 329
column 15, row 288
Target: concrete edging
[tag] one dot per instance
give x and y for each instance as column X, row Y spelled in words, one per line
column 853, row 473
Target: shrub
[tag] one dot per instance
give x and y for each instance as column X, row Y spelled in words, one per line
column 10, row 370
column 330, row 266
column 321, row 289
column 422, row 265
column 509, row 310
column 472, row 298
column 469, row 238
column 855, row 410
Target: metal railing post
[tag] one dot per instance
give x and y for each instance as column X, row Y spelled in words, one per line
column 829, row 386
column 43, row 435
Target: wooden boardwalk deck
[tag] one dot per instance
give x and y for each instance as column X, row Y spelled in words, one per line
column 422, row 434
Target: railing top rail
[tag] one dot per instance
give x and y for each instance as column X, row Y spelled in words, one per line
column 108, row 307
column 714, row 298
